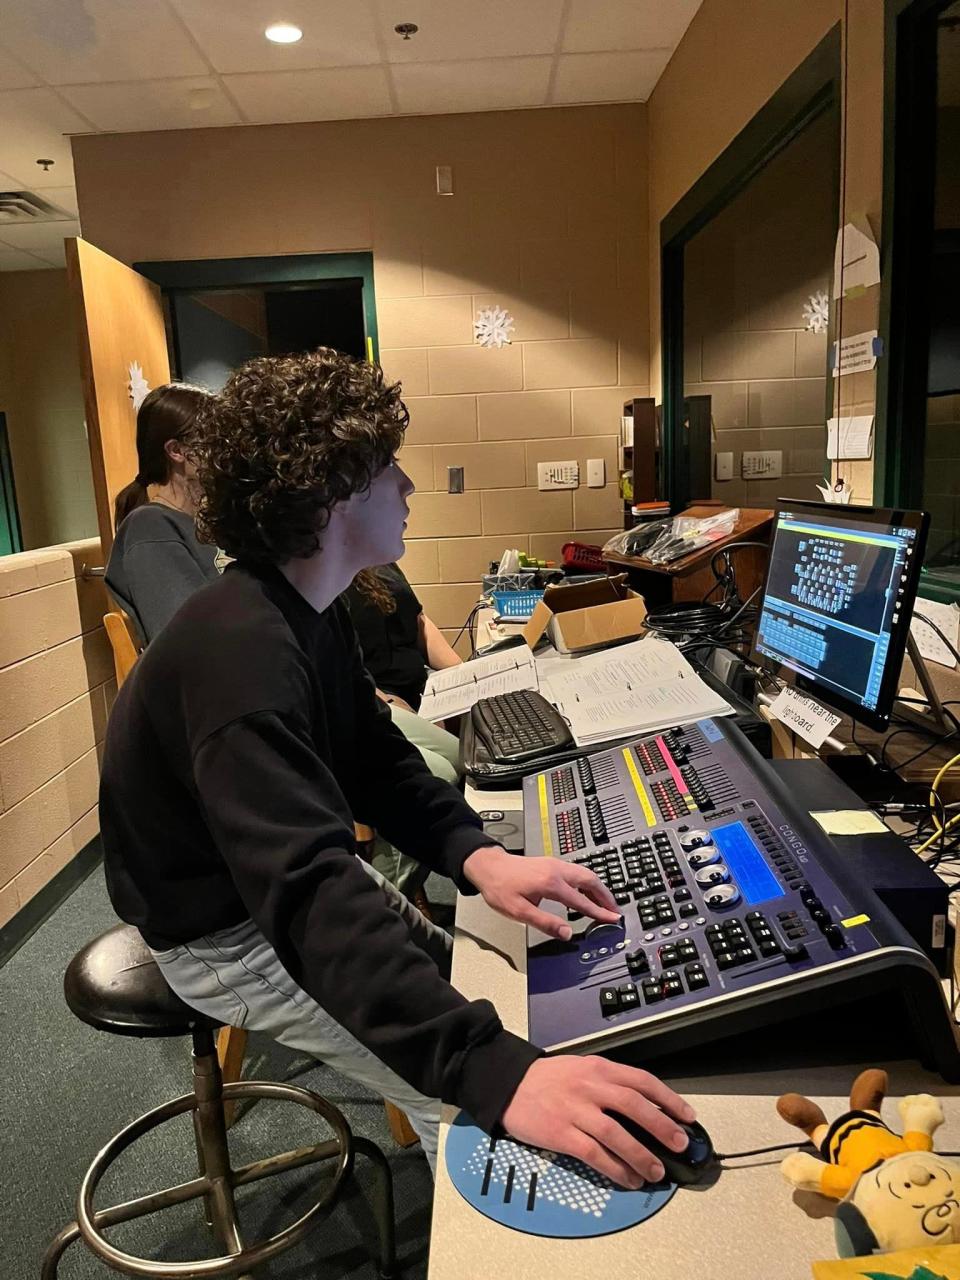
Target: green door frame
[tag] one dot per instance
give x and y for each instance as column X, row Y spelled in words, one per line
column 11, row 534
column 815, row 87
column 299, row 269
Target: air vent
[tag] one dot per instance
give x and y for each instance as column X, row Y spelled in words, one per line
column 27, row 206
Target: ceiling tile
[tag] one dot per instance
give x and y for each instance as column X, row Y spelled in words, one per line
column 13, row 75
column 342, row 93
column 153, row 104
column 67, row 42
column 455, row 29
column 14, row 260
column 338, row 33
column 489, row 84
column 64, row 198
column 32, row 125
column 45, row 239
column 609, row 77
column 626, row 24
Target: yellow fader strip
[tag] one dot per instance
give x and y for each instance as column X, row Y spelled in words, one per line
column 639, row 787
column 544, row 816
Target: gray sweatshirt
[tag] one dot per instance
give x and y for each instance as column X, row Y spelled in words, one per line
column 156, row 564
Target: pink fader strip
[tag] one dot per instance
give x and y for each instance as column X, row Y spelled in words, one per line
column 672, row 766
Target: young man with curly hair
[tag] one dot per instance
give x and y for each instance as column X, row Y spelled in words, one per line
column 247, row 740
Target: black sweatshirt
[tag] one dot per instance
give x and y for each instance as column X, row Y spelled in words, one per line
column 239, row 752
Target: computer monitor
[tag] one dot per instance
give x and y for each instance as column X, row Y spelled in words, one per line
column 837, row 600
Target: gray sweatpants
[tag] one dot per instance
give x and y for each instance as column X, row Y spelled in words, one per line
column 235, row 976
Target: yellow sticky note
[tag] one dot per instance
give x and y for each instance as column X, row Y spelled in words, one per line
column 850, row 822
column 852, row 921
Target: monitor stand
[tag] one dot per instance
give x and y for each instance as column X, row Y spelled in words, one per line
column 933, row 716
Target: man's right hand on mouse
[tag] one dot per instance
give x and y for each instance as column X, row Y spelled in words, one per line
column 561, row 1104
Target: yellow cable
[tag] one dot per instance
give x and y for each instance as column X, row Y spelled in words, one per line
column 934, row 793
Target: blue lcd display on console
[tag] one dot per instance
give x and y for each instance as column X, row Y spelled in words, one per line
column 747, row 865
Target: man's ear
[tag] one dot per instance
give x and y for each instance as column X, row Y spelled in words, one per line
column 854, row 1236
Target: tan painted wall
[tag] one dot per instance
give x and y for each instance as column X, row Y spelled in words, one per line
column 732, row 59
column 41, row 394
column 56, row 686
column 549, row 220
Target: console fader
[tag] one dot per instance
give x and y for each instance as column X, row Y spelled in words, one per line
column 733, row 902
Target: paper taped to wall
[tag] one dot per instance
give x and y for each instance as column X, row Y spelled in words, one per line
column 850, row 437
column 944, row 616
column 856, row 262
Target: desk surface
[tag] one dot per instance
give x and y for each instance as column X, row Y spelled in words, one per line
column 749, row 1224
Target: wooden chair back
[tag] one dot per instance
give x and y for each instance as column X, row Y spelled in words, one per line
column 123, row 642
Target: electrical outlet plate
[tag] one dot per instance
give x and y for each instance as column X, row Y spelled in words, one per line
column 723, row 466
column 558, row 475
column 761, row 464
column 596, row 473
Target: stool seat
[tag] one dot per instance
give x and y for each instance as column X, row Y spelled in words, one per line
column 115, row 985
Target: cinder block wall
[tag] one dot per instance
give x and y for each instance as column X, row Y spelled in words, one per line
column 548, row 220
column 56, row 686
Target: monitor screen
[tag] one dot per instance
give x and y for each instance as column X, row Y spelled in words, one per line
column 839, row 593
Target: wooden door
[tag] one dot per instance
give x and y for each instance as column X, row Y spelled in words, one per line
column 122, row 340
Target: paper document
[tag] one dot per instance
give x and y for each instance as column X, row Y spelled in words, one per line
column 454, row 691
column 944, row 616
column 850, row 437
column 636, row 688
column 856, row 354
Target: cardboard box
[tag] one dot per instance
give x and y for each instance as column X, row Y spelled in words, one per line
column 934, row 1262
column 576, row 618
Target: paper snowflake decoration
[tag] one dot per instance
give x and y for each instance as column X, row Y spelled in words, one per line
column 138, row 386
column 492, row 327
column 816, row 312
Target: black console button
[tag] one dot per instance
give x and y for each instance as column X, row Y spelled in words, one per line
column 637, row 963
column 686, row 910
column 834, row 936
column 652, row 991
column 609, row 1000
column 696, row 978
column 629, row 996
column 797, row 951
column 725, row 959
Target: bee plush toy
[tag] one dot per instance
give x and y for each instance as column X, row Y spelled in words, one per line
column 894, row 1192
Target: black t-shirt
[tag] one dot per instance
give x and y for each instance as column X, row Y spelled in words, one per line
column 391, row 641
column 239, row 751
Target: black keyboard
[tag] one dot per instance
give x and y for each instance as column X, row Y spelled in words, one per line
column 520, row 726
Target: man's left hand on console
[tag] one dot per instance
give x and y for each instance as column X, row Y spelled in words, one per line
column 516, row 886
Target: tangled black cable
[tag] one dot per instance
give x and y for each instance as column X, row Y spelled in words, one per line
column 709, row 624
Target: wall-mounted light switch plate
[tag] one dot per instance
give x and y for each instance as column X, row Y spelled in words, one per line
column 596, row 473
column 723, row 466
column 454, row 479
column 558, row 475
column 761, row 464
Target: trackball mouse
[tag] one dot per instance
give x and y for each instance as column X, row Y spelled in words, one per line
column 683, row 1167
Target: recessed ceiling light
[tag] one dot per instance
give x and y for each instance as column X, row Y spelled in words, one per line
column 283, row 33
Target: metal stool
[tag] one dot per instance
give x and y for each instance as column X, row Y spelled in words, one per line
column 114, row 985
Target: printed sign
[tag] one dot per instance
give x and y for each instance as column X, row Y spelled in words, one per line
column 805, row 717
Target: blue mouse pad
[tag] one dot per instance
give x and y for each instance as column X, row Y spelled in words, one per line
column 540, row 1192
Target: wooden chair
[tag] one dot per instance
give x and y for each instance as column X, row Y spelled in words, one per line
column 232, row 1041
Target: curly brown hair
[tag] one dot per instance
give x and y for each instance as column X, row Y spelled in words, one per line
column 286, row 439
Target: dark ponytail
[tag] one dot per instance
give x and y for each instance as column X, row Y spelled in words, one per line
column 167, row 413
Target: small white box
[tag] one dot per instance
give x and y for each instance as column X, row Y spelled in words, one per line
column 558, row 475
column 723, row 466
column 596, row 473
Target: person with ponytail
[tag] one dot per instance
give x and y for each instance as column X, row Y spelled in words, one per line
column 157, row 562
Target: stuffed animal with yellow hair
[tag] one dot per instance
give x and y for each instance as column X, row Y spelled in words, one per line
column 894, row 1192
